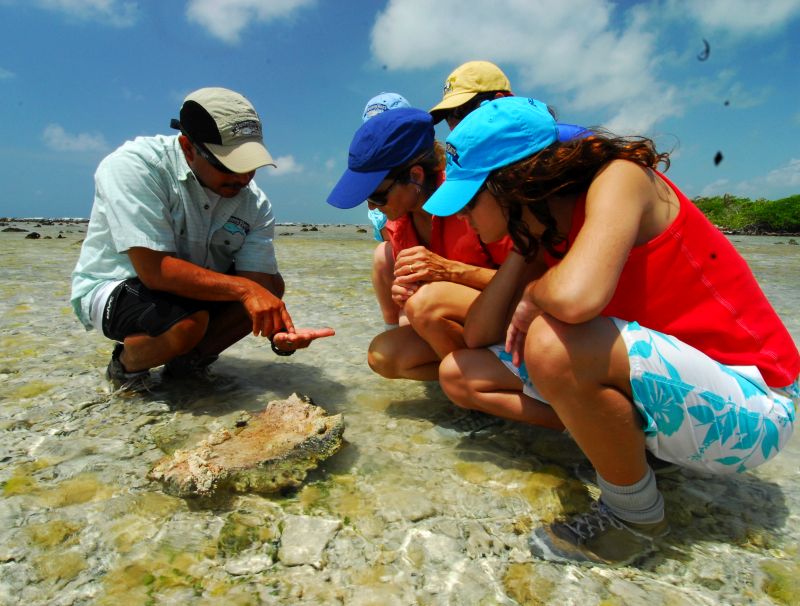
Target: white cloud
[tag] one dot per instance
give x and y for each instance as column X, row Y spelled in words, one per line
column 6, row 74
column 120, row 13
column 596, row 65
column 287, row 165
column 738, row 16
column 786, row 176
column 225, row 19
column 716, row 188
column 779, row 182
column 55, row 137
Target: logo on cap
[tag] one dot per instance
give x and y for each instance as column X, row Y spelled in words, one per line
column 448, row 86
column 452, row 154
column 375, row 109
column 248, row 128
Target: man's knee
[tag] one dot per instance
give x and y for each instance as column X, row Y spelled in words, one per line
column 185, row 334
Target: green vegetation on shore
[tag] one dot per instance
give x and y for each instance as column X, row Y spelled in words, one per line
column 745, row 216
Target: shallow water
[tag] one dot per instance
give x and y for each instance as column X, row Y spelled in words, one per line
column 409, row 512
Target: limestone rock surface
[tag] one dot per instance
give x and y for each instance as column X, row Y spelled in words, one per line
column 266, row 453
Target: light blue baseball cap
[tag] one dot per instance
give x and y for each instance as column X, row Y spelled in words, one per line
column 382, row 102
column 498, row 133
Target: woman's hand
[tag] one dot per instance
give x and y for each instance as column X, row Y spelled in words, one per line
column 418, row 264
column 525, row 312
column 402, row 292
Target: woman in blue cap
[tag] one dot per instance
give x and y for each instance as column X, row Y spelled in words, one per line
column 382, row 257
column 440, row 263
column 639, row 324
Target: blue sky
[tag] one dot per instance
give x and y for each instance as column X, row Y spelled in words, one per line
column 79, row 77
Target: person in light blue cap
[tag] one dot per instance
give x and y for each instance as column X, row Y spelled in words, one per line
column 622, row 315
column 377, row 105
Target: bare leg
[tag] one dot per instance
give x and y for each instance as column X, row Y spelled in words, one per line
column 382, row 279
column 437, row 312
column 583, row 371
column 143, row 351
column 476, row 379
column 402, row 354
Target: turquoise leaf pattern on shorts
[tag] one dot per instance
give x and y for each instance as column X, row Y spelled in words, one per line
column 751, row 431
column 749, row 389
column 666, row 398
column 523, row 372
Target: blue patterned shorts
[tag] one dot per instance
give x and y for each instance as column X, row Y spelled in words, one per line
column 697, row 412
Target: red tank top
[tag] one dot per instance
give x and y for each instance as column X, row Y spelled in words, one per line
column 691, row 283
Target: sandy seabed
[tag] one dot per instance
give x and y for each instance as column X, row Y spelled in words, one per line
column 410, row 511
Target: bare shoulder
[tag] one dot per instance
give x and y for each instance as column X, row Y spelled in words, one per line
column 625, row 187
column 626, row 174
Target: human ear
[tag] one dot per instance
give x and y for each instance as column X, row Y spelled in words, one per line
column 187, row 147
column 417, row 174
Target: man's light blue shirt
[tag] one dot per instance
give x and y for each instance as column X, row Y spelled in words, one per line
column 147, row 196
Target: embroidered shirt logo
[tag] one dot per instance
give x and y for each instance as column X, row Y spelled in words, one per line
column 235, row 225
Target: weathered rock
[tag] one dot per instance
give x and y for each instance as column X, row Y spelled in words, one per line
column 273, row 450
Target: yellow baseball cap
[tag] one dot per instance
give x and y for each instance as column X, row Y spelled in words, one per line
column 466, row 81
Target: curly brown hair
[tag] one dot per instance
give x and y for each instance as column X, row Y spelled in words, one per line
column 561, row 169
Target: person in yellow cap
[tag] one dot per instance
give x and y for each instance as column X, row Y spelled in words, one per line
column 178, row 262
column 475, row 82
column 467, row 86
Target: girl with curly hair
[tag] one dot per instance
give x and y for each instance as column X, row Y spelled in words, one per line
column 623, row 316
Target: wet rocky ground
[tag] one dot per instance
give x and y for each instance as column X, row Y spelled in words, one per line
column 410, row 511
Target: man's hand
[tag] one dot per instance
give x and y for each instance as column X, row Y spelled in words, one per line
column 418, row 264
column 267, row 311
column 299, row 338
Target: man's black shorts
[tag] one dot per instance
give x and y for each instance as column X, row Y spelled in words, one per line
column 132, row 308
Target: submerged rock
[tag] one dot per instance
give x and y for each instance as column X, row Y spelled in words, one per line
column 266, row 453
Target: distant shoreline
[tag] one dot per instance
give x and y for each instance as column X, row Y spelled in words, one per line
column 82, row 221
column 5, row 221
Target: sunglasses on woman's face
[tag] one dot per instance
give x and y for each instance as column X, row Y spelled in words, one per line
column 381, row 198
column 473, row 202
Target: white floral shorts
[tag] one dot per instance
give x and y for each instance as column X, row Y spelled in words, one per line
column 697, row 412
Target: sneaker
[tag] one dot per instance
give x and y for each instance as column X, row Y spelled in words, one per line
column 120, row 378
column 191, row 366
column 596, row 537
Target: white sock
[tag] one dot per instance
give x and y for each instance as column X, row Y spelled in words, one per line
column 640, row 503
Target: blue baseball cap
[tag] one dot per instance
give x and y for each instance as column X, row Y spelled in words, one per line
column 380, row 103
column 497, row 134
column 386, row 141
